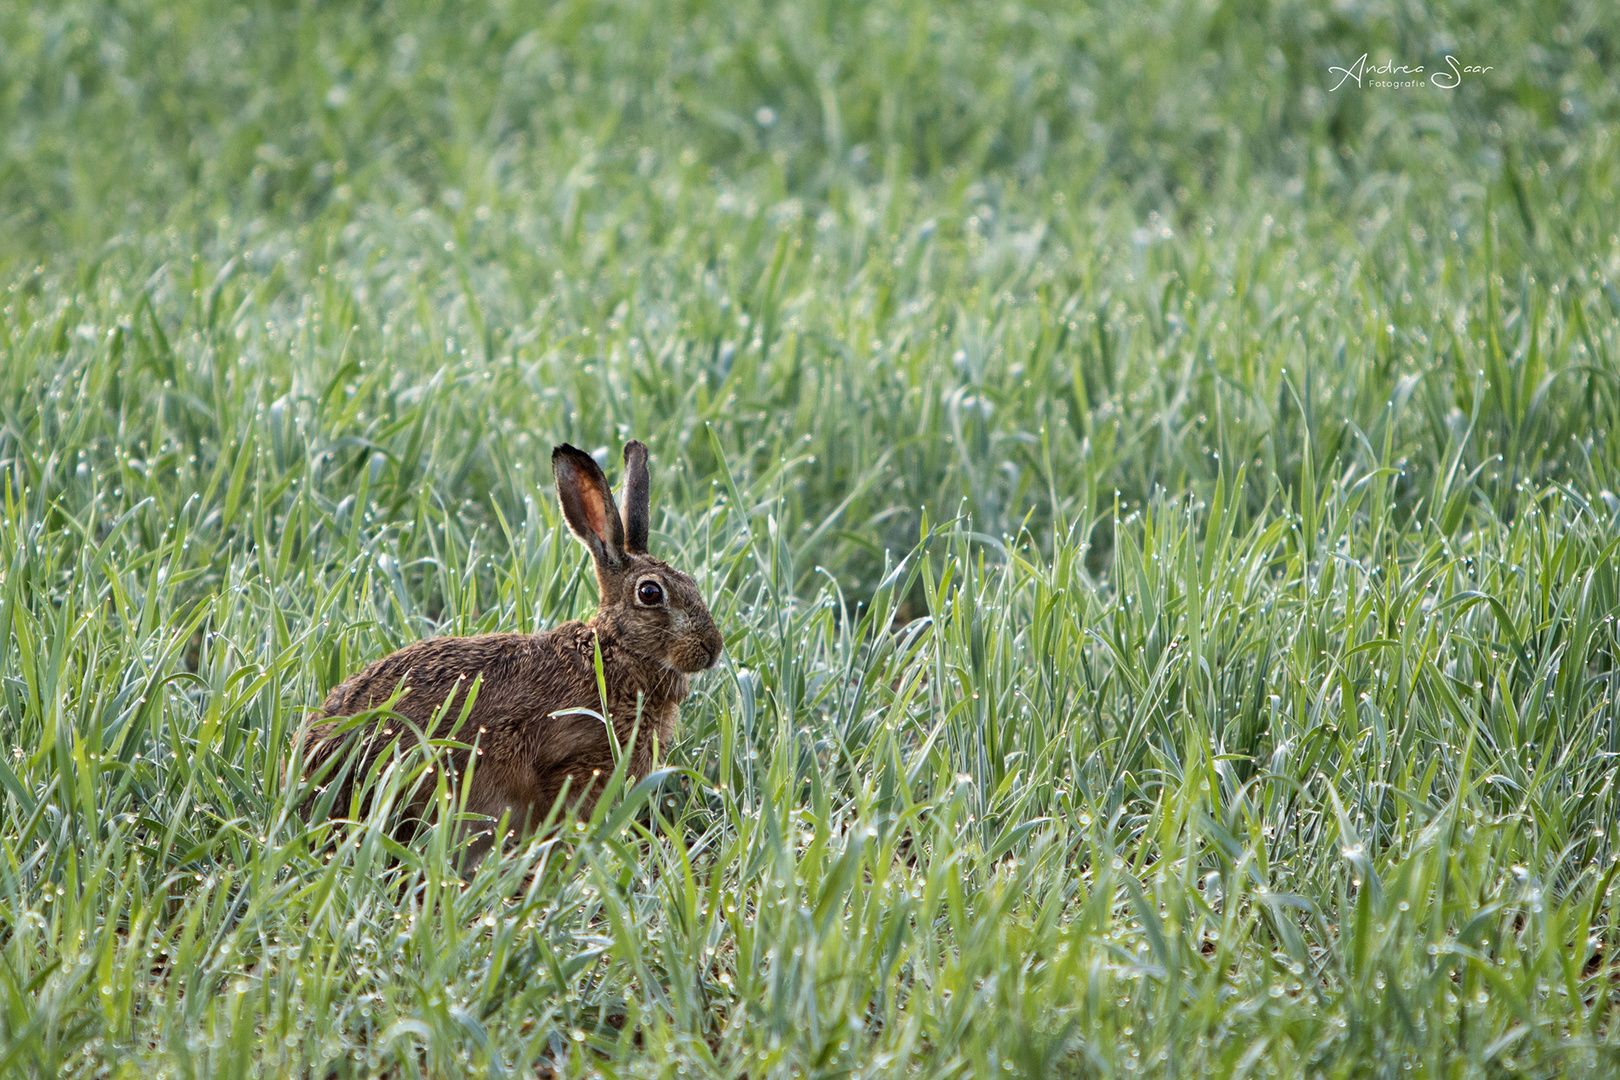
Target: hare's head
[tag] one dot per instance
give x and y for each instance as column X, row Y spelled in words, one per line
column 653, row 609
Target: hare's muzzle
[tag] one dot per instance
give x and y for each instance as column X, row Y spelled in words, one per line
column 700, row 651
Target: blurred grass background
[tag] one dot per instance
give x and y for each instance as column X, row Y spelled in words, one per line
column 1161, row 511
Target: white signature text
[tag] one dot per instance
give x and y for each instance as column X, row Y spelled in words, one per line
column 1404, row 75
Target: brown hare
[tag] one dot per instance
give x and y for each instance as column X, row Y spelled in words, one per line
column 653, row 631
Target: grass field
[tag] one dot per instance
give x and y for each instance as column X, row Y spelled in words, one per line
column 1160, row 509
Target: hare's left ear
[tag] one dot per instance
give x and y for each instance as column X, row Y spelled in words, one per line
column 637, row 498
column 587, row 506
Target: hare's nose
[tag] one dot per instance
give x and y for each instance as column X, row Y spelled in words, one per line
column 713, row 646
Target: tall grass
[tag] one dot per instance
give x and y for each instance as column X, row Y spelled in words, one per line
column 1161, row 514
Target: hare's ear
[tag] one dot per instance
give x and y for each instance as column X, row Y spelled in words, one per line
column 637, row 498
column 587, row 505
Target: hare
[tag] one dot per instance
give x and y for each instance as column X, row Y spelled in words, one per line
column 652, row 628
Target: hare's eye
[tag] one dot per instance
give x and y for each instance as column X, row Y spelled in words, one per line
column 650, row 593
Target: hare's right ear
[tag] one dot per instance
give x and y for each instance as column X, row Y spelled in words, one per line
column 587, row 505
column 637, row 497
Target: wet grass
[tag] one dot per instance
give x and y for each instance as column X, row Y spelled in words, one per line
column 1160, row 510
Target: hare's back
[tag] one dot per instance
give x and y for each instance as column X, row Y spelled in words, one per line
column 522, row 676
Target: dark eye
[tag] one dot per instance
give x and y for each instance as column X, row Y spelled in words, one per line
column 650, row 593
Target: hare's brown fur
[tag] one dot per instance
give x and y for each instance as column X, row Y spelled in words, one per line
column 652, row 629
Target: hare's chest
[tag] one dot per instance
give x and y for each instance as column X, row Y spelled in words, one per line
column 647, row 717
